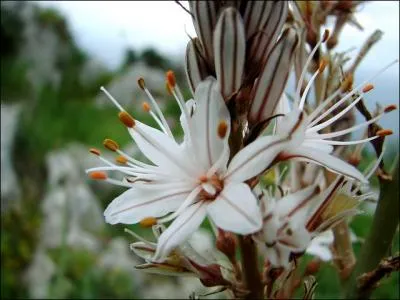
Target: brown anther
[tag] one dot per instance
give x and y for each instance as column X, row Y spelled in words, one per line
column 121, row 159
column 222, row 129
column 94, row 151
column 110, row 145
column 347, row 83
column 168, row 88
column 141, row 83
column 384, row 132
column 325, row 36
column 322, row 65
column 148, row 222
column 171, row 78
column 367, row 88
column 390, row 108
column 146, row 106
column 203, row 178
column 126, row 119
column 98, row 175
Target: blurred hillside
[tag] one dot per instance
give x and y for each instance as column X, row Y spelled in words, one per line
column 54, row 241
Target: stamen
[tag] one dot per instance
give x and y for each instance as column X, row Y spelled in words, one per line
column 330, row 142
column 390, row 108
column 139, row 238
column 98, row 175
column 141, row 83
column 326, row 35
column 376, row 165
column 95, row 151
column 367, row 88
column 384, row 132
column 121, row 159
column 132, row 160
column 222, row 129
column 168, row 88
column 322, row 65
column 113, row 100
column 126, row 119
column 171, row 78
column 203, row 178
column 146, row 106
column 148, row 222
column 111, row 145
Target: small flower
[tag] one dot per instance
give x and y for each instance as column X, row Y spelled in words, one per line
column 192, row 179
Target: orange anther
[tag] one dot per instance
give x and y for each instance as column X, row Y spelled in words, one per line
column 141, row 83
column 384, row 132
column 146, row 106
column 121, row 159
column 367, row 88
column 94, row 151
column 110, row 145
column 390, row 108
column 322, row 65
column 148, row 222
column 98, row 175
column 171, row 78
column 126, row 119
column 222, row 129
column 203, row 178
column 168, row 88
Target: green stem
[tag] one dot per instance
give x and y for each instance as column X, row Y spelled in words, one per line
column 251, row 274
column 378, row 242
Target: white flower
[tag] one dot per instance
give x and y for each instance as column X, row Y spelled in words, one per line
column 191, row 179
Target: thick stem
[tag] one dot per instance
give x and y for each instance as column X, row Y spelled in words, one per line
column 251, row 273
column 378, row 242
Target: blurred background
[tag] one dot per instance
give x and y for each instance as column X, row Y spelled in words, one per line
column 54, row 57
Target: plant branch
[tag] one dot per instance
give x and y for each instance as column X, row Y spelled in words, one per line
column 378, row 242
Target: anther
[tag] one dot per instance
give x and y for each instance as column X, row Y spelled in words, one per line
column 126, row 119
column 110, row 145
column 146, row 106
column 203, row 178
column 148, row 222
column 141, row 83
column 347, row 83
column 95, row 151
column 171, row 78
column 390, row 108
column 325, row 36
column 322, row 65
column 98, row 175
column 384, row 132
column 222, row 129
column 367, row 88
column 168, row 88
column 121, row 159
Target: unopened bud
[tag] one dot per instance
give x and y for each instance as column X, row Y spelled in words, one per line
column 148, row 222
column 98, row 175
column 126, row 119
column 111, row 145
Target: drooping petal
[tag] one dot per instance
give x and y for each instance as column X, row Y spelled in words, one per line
column 229, row 51
column 205, row 18
column 210, row 111
column 330, row 162
column 162, row 150
column 143, row 250
column 272, row 81
column 180, row 229
column 138, row 203
column 265, row 37
column 236, row 210
column 255, row 158
column 196, row 69
column 256, row 15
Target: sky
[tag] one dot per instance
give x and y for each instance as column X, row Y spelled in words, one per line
column 106, row 28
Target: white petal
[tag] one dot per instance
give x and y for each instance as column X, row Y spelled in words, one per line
column 180, row 229
column 235, row 209
column 210, row 110
column 255, row 158
column 143, row 250
column 141, row 202
column 256, row 15
column 321, row 250
column 330, row 162
column 272, row 81
column 162, row 150
column 229, row 51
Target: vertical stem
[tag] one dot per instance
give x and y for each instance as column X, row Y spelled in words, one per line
column 251, row 273
column 378, row 242
column 344, row 250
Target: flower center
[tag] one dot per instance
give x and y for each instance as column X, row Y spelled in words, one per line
column 211, row 187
